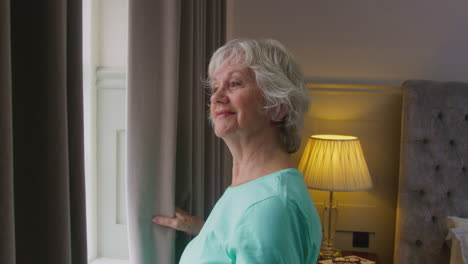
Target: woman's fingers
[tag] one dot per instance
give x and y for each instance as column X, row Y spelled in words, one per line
column 178, row 215
column 177, row 223
column 182, row 215
column 182, row 221
column 181, row 211
column 165, row 221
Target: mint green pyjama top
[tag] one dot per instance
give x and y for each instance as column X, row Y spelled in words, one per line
column 271, row 220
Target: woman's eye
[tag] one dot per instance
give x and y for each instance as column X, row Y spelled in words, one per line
column 234, row 84
column 213, row 90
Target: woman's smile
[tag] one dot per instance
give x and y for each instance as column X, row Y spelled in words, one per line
column 223, row 114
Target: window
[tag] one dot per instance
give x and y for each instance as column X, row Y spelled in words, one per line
column 104, row 86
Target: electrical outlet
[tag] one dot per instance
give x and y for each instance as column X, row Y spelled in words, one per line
column 361, row 239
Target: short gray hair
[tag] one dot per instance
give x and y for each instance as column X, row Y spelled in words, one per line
column 279, row 78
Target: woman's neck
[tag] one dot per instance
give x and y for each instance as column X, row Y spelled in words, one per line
column 257, row 156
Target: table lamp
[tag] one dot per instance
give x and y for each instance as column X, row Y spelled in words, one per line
column 333, row 163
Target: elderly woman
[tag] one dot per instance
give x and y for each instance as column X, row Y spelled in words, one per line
column 258, row 102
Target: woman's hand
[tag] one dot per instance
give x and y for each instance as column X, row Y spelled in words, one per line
column 182, row 221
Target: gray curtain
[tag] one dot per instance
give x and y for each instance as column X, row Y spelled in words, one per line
column 42, row 216
column 173, row 156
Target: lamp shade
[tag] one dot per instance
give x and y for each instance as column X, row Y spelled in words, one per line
column 335, row 163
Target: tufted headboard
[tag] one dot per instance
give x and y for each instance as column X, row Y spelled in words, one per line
column 433, row 179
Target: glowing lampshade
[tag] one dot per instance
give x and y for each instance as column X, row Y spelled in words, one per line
column 335, row 163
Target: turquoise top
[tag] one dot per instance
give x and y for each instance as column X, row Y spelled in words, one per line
column 271, row 219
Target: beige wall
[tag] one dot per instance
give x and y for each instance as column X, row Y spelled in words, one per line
column 362, row 42
column 373, row 116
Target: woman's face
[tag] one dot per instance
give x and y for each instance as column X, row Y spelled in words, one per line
column 236, row 102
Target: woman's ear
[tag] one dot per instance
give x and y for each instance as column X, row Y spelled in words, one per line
column 283, row 110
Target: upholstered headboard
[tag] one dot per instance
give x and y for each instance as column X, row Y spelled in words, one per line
column 433, row 179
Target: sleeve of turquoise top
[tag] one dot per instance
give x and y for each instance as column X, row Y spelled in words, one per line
column 266, row 234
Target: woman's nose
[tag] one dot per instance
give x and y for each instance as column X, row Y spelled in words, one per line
column 219, row 97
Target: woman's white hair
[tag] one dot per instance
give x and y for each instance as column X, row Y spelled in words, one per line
column 279, row 78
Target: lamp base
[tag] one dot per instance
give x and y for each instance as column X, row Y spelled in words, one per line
column 327, row 250
column 329, row 253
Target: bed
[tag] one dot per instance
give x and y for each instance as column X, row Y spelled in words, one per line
column 433, row 181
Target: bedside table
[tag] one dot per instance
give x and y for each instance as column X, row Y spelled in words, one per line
column 366, row 255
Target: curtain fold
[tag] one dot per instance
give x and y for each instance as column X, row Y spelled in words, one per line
column 173, row 156
column 7, row 224
column 41, row 133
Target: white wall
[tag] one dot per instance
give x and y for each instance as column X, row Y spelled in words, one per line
column 363, row 41
column 105, row 26
column 110, row 125
column 113, row 26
